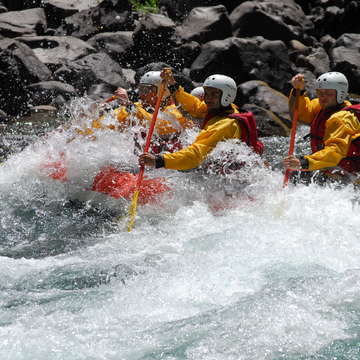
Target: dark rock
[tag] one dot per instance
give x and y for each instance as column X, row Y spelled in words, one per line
column 153, row 39
column 103, row 18
column 26, row 22
column 261, row 94
column 245, row 59
column 187, row 53
column 118, row 45
column 19, row 67
column 205, row 24
column 90, row 70
column 43, row 93
column 179, row 9
column 345, row 58
column 317, row 61
column 268, row 124
column 180, row 78
column 55, row 51
column 273, row 19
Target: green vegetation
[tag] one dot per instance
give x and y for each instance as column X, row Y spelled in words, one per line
column 146, row 6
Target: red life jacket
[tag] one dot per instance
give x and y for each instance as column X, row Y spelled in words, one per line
column 351, row 163
column 249, row 134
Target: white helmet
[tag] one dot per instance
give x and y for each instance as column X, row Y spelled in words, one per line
column 336, row 81
column 153, row 78
column 224, row 83
column 198, row 92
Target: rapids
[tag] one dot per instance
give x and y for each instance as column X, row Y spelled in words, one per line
column 268, row 273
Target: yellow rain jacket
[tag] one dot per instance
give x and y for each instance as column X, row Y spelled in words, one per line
column 169, row 122
column 216, row 129
column 341, row 128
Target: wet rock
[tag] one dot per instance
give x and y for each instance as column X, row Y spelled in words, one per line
column 55, row 51
column 268, row 123
column 317, row 61
column 25, row 22
column 19, row 67
column 103, row 18
column 262, row 95
column 273, row 19
column 44, row 93
column 205, row 24
column 245, row 59
column 90, row 70
column 179, row 9
column 153, row 39
column 119, row 45
column 345, row 58
column 57, row 10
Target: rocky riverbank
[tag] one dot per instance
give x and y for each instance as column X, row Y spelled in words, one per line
column 54, row 50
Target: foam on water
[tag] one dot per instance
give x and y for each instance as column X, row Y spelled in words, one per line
column 273, row 276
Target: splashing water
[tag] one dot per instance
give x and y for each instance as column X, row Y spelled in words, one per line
column 272, row 274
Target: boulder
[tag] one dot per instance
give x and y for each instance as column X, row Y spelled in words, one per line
column 272, row 19
column 19, row 67
column 119, row 45
column 90, row 70
column 345, row 58
column 204, row 24
column 25, row 22
column 262, row 95
column 245, row 59
column 55, row 51
column 153, row 40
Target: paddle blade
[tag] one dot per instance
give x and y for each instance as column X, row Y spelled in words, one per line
column 133, row 210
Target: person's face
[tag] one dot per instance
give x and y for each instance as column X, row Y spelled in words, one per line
column 327, row 97
column 212, row 97
column 147, row 94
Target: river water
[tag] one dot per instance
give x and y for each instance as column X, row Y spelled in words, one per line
column 273, row 274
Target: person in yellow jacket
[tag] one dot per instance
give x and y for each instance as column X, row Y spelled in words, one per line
column 220, row 92
column 333, row 129
column 170, row 121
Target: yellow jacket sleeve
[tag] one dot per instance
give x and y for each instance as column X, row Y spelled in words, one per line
column 191, row 104
column 192, row 156
column 171, row 121
column 308, row 109
column 340, row 129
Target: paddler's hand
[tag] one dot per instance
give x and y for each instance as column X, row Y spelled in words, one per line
column 167, row 76
column 298, row 81
column 292, row 163
column 122, row 96
column 147, row 160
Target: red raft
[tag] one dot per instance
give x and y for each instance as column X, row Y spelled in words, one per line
column 119, row 184
column 112, row 182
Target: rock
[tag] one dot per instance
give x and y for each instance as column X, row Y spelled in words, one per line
column 245, row 59
column 90, row 70
column 55, row 51
column 19, row 67
column 44, row 93
column 25, row 22
column 262, row 95
column 272, row 19
column 153, row 39
column 204, row 24
column 103, row 18
column 345, row 58
column 119, row 45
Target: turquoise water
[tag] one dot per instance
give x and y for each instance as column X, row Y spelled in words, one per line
column 275, row 275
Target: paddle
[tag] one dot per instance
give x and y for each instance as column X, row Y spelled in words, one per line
column 293, row 134
column 133, row 207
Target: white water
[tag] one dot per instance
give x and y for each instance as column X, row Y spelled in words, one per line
column 274, row 277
